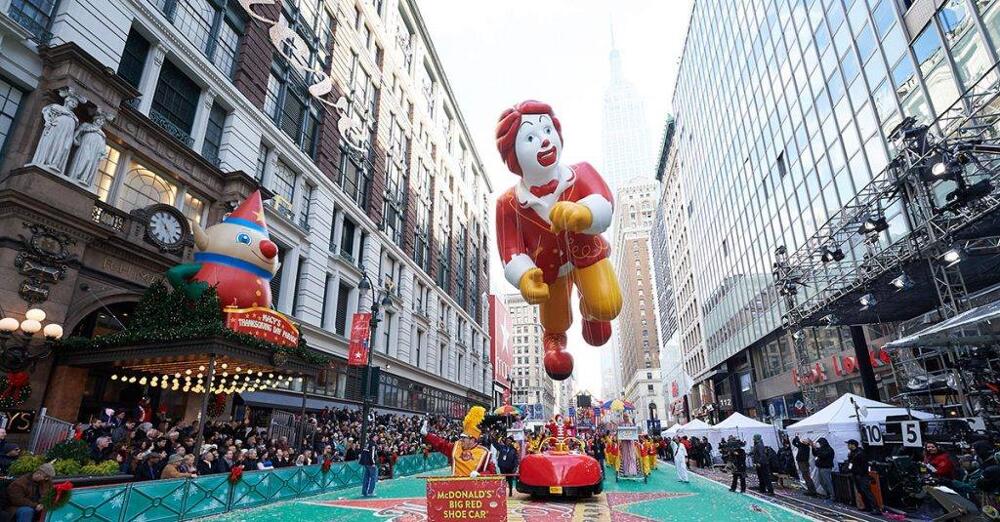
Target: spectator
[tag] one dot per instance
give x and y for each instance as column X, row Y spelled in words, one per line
column 265, row 461
column 226, row 463
column 24, row 495
column 803, row 452
column 173, row 468
column 858, row 464
column 824, row 465
column 205, row 465
column 762, row 464
column 101, row 449
column 3, row 440
column 598, row 449
column 150, row 468
column 10, row 453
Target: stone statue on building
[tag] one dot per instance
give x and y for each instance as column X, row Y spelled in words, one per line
column 54, row 146
column 91, row 148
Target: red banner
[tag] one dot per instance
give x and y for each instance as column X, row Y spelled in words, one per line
column 459, row 498
column 264, row 324
column 357, row 350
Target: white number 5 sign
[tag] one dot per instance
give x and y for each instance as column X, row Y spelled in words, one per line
column 911, row 434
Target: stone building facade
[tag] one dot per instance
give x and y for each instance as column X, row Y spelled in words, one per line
column 379, row 176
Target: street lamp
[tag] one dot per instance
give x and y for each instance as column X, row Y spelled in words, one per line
column 15, row 350
column 380, row 299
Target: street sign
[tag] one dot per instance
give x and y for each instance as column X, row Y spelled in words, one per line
column 911, row 434
column 873, row 434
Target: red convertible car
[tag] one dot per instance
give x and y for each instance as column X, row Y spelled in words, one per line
column 560, row 473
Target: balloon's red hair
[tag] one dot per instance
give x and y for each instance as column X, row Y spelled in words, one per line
column 509, row 123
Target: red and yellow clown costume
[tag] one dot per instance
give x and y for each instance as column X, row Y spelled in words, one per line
column 549, row 229
column 468, row 457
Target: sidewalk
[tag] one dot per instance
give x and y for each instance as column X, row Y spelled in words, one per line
column 793, row 497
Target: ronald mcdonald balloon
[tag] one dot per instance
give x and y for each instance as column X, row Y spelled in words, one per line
column 235, row 256
column 549, row 229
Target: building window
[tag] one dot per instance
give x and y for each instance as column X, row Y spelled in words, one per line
column 363, row 101
column 394, row 203
column 307, row 197
column 33, row 15
column 141, row 187
column 262, row 153
column 461, row 361
column 10, row 101
column 442, row 359
column 340, row 322
column 213, row 133
column 283, row 186
column 290, row 105
column 213, row 26
column 347, row 239
column 175, row 102
column 354, row 178
column 133, row 58
column 419, row 345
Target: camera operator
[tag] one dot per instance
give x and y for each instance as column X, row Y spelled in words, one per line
column 736, row 458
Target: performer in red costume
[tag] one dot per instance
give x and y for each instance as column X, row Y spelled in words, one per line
column 468, row 457
column 560, row 428
column 548, row 232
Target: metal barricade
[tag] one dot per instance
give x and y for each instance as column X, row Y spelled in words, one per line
column 48, row 432
column 283, row 424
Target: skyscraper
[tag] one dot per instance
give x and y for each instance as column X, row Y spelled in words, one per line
column 627, row 150
column 784, row 110
column 638, row 339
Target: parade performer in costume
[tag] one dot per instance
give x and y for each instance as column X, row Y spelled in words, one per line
column 613, row 453
column 468, row 457
column 680, row 460
column 548, row 232
column 235, row 256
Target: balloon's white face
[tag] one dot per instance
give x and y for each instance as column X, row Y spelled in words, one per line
column 538, row 145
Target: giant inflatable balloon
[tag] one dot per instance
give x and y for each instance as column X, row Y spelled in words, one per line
column 235, row 256
column 549, row 229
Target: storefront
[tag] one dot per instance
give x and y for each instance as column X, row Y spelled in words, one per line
column 833, row 371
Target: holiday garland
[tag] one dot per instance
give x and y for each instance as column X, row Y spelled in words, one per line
column 14, row 389
column 164, row 316
column 235, row 474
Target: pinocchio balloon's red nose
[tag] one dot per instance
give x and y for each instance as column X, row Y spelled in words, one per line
column 268, row 248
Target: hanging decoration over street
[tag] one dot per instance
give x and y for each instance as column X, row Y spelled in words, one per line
column 237, row 259
column 549, row 228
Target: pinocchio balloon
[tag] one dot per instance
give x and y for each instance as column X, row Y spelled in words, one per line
column 549, row 229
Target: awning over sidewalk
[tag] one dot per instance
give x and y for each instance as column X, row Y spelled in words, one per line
column 285, row 401
column 963, row 329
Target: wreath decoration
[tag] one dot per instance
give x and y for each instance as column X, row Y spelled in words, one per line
column 16, row 389
column 325, row 468
column 57, row 496
column 235, row 474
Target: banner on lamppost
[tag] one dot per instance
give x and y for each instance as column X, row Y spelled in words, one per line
column 357, row 350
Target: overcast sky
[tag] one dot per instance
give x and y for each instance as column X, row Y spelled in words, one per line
column 498, row 53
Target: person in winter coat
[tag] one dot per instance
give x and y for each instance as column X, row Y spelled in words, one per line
column 25, row 494
column 149, row 468
column 786, row 460
column 824, row 465
column 738, row 462
column 598, row 449
column 858, row 464
column 803, row 452
column 939, row 462
column 507, row 461
column 762, row 464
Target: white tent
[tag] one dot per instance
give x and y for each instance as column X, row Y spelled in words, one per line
column 838, row 422
column 695, row 428
column 744, row 428
column 669, row 432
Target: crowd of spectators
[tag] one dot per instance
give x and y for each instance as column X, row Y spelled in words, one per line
column 163, row 449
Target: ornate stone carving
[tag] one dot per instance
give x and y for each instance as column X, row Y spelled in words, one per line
column 44, row 258
column 52, row 151
column 91, row 148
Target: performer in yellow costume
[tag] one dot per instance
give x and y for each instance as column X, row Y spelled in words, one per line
column 468, row 457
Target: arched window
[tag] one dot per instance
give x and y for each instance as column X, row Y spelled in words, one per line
column 143, row 188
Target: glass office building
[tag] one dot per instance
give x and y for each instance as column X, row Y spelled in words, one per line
column 783, row 109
